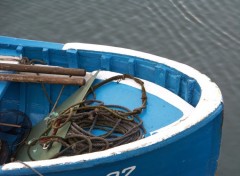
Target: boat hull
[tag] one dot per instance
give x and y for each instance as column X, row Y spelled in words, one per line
column 192, row 149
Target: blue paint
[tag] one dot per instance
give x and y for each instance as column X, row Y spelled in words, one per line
column 131, row 66
column 22, row 95
column 105, row 62
column 185, row 157
column 192, row 152
column 21, row 42
column 92, row 60
column 3, row 87
column 19, row 51
column 187, row 91
column 160, row 75
column 72, row 56
column 45, row 53
column 34, row 106
column 154, row 118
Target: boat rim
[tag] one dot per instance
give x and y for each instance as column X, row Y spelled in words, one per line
column 210, row 100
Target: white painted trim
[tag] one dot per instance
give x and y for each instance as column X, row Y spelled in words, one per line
column 154, row 89
column 210, row 99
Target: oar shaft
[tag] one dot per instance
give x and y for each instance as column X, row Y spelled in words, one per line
column 10, row 125
column 42, row 79
column 43, row 69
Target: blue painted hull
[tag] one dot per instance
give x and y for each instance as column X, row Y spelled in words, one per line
column 194, row 151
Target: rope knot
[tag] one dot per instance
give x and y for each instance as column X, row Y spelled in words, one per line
column 52, row 116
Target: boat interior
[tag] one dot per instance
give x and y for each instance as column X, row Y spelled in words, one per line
column 170, row 93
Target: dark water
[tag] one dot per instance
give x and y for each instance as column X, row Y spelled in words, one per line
column 204, row 34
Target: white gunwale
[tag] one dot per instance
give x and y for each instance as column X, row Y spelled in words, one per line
column 210, row 100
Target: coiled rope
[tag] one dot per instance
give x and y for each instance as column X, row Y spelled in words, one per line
column 95, row 126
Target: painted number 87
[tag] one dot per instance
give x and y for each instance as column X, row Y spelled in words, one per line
column 125, row 172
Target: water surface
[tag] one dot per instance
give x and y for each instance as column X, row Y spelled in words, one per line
column 204, row 34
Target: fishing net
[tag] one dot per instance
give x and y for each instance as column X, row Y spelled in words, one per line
column 4, row 152
column 15, row 126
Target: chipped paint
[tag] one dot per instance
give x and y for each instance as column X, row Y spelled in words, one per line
column 209, row 101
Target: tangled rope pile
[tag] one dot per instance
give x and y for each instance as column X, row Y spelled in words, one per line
column 96, row 126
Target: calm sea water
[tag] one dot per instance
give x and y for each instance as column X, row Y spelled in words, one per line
column 204, row 34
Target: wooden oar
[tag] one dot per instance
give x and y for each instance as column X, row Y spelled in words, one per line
column 42, row 69
column 10, row 58
column 42, row 79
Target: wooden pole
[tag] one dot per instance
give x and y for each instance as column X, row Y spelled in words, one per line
column 43, row 69
column 42, row 79
column 10, row 125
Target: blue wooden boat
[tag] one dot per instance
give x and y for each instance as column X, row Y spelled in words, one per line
column 183, row 118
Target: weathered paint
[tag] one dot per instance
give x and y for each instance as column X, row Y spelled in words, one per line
column 189, row 146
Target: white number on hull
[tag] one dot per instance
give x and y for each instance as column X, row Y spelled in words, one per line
column 125, row 172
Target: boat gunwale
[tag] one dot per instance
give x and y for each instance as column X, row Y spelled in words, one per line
column 210, row 101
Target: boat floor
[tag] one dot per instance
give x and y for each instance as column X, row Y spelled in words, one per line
column 163, row 106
